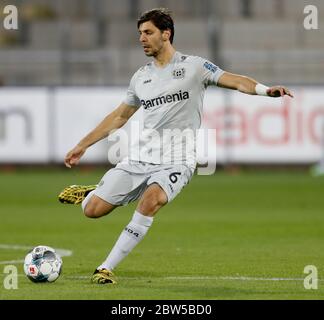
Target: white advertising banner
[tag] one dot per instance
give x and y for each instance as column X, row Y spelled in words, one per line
column 24, row 126
column 263, row 129
column 78, row 111
column 41, row 125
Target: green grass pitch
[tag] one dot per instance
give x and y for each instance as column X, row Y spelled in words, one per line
column 243, row 236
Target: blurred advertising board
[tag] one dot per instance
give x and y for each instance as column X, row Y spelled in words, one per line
column 24, row 126
column 39, row 125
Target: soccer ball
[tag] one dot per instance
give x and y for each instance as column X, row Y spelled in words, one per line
column 42, row 264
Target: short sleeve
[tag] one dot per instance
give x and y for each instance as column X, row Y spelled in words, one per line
column 131, row 97
column 209, row 73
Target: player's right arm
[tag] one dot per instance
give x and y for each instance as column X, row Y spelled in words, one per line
column 250, row 86
column 111, row 122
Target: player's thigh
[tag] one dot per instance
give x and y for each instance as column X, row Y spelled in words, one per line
column 153, row 198
column 119, row 187
column 171, row 179
column 97, row 207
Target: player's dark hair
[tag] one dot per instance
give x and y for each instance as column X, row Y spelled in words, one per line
column 161, row 18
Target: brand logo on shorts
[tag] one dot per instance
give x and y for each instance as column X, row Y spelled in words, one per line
column 101, row 183
column 147, row 81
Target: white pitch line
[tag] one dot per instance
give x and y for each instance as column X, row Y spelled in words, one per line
column 79, row 277
column 11, row 261
column 60, row 251
column 242, row 278
column 14, row 247
column 66, row 253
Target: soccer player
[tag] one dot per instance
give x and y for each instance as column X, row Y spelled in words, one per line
column 170, row 89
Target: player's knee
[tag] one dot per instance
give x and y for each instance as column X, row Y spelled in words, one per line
column 97, row 208
column 91, row 211
column 152, row 202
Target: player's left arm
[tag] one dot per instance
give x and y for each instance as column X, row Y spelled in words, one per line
column 250, row 86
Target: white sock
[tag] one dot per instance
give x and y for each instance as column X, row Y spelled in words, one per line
column 87, row 199
column 128, row 239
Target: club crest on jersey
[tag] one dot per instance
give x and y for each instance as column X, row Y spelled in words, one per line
column 179, row 73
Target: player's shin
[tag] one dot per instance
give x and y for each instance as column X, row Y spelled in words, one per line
column 133, row 233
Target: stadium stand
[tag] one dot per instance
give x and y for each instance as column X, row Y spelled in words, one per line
column 81, row 42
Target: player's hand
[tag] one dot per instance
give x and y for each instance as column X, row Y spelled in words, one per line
column 73, row 157
column 278, row 91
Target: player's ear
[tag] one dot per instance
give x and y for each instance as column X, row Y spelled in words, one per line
column 166, row 34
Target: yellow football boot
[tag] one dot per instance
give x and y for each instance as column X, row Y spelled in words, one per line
column 75, row 194
column 103, row 276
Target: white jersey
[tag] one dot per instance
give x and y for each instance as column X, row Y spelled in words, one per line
column 172, row 101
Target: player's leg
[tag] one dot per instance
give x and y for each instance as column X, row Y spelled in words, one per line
column 151, row 201
column 162, row 188
column 95, row 207
column 117, row 187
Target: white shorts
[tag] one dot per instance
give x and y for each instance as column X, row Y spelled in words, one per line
column 128, row 181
